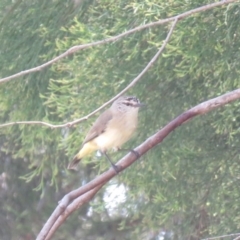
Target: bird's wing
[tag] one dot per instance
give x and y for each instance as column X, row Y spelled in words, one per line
column 99, row 126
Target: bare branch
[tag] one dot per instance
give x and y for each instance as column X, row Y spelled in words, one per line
column 224, row 236
column 69, row 198
column 69, row 124
column 237, row 238
column 77, row 203
column 115, row 38
column 131, row 158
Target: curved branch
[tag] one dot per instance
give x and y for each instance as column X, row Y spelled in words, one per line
column 130, row 158
column 115, row 38
column 69, row 124
column 78, row 202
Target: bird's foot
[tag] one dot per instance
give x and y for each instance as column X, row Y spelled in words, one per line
column 135, row 153
column 116, row 168
column 130, row 150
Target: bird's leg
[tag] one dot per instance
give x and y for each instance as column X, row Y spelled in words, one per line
column 113, row 165
column 130, row 150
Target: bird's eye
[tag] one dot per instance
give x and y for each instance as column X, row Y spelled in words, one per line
column 132, row 99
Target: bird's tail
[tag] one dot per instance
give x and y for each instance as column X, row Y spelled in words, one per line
column 86, row 149
column 73, row 165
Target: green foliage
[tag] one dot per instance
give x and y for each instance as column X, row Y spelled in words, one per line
column 188, row 185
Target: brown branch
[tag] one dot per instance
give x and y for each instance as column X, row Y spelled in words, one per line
column 76, row 48
column 130, row 158
column 77, row 203
column 69, row 124
column 68, row 198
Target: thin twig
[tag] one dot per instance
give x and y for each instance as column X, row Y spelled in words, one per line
column 115, row 38
column 69, row 124
column 130, row 158
column 224, row 236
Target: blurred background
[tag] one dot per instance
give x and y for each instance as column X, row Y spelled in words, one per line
column 185, row 188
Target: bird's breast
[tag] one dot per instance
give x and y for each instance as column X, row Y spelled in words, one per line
column 118, row 131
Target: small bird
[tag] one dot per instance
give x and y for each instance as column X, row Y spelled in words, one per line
column 112, row 129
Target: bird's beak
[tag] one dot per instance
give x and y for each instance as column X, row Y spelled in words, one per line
column 140, row 105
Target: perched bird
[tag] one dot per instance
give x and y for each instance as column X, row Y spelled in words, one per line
column 112, row 129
